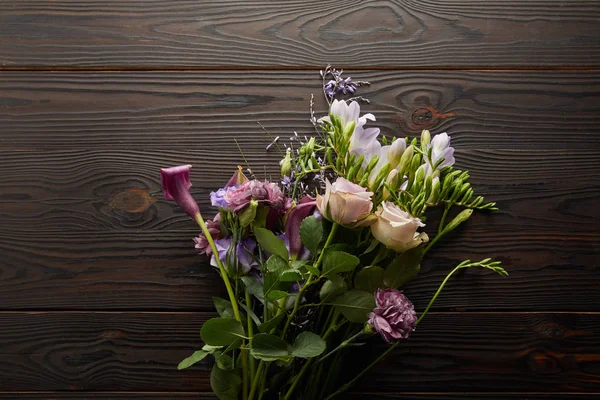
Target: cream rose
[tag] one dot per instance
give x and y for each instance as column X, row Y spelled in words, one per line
column 396, row 228
column 345, row 202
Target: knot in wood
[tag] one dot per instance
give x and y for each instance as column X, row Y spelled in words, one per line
column 422, row 116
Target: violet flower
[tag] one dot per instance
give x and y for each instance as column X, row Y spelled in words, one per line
column 295, row 217
column 394, row 316
column 244, row 251
column 214, row 228
column 264, row 192
column 175, row 182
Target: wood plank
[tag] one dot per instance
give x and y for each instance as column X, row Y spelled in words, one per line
column 49, row 395
column 451, row 352
column 206, row 110
column 261, row 33
column 79, row 223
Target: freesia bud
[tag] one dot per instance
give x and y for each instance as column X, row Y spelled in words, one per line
column 391, row 181
column 425, row 139
column 175, row 182
column 286, row 164
column 395, row 152
column 405, row 159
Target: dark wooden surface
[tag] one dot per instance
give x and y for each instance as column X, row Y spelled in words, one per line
column 101, row 292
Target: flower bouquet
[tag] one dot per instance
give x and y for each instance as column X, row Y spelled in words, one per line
column 313, row 264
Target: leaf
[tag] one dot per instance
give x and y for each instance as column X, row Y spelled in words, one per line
column 269, row 325
column 276, row 264
column 311, row 233
column 254, row 286
column 225, row 384
column 308, row 345
column 369, row 279
column 211, row 349
column 337, row 261
column 312, row 269
column 269, row 348
column 198, row 356
column 355, row 305
column 221, row 331
column 276, row 295
column 335, row 286
column 225, row 361
column 290, row 275
column 403, row 268
column 271, row 243
column 223, row 307
column 251, row 314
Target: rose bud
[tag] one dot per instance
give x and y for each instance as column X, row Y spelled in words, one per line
column 344, row 202
column 396, row 228
column 394, row 316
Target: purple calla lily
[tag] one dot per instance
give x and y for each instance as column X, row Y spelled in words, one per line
column 295, row 216
column 176, row 185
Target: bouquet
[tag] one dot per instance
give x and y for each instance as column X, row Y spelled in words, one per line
column 313, row 265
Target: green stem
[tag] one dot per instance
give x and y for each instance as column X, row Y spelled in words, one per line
column 440, row 233
column 261, row 366
column 443, row 219
column 250, row 334
column 330, row 238
column 342, row 345
column 224, row 276
column 389, row 350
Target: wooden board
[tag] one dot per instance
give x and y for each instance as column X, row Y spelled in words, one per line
column 207, row 110
column 451, row 352
column 298, row 33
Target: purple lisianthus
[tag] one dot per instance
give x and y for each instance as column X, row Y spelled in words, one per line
column 394, row 316
column 217, row 199
column 214, row 228
column 264, row 192
column 244, row 254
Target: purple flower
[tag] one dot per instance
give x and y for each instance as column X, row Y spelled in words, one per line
column 244, row 254
column 175, row 182
column 294, row 218
column 214, row 228
column 264, row 192
column 394, row 316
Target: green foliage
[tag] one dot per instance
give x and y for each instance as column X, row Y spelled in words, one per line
column 335, row 262
column 355, row 305
column 403, row 268
column 270, row 348
column 311, row 233
column 198, row 356
column 223, row 307
column 221, row 331
column 271, row 243
column 369, row 279
column 334, row 286
column 271, row 324
column 226, row 384
column 308, row 345
column 254, row 286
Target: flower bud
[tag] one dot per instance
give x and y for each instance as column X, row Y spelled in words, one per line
column 286, row 164
column 391, row 181
column 405, row 159
column 175, row 182
column 425, row 139
column 395, row 152
column 248, row 214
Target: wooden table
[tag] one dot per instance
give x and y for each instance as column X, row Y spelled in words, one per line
column 101, row 292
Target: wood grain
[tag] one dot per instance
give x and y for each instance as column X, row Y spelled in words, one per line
column 206, row 110
column 78, row 224
column 293, row 33
column 453, row 352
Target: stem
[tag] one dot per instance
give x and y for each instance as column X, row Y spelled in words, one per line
column 440, row 232
column 330, row 238
column 385, row 353
column 261, row 366
column 441, row 225
column 244, row 374
column 250, row 334
column 341, row 346
column 224, row 276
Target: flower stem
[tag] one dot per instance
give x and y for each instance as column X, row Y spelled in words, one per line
column 330, row 238
column 424, row 313
column 342, row 345
column 224, row 276
column 255, row 381
column 250, row 335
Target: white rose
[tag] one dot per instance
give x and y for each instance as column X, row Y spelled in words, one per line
column 397, row 229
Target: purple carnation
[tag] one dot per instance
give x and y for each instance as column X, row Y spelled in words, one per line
column 394, row 316
column 264, row 192
column 214, row 228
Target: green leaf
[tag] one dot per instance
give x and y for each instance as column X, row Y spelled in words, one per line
column 335, row 286
column 312, row 269
column 198, row 356
column 271, row 243
column 223, row 307
column 254, row 286
column 276, row 264
column 269, row 325
column 221, row 331
column 250, row 313
column 308, row 345
column 290, row 275
column 275, row 295
column 369, row 279
column 335, row 262
column 225, row 384
column 225, row 362
column 269, row 348
column 311, row 233
column 355, row 305
column 211, row 349
column 403, row 268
